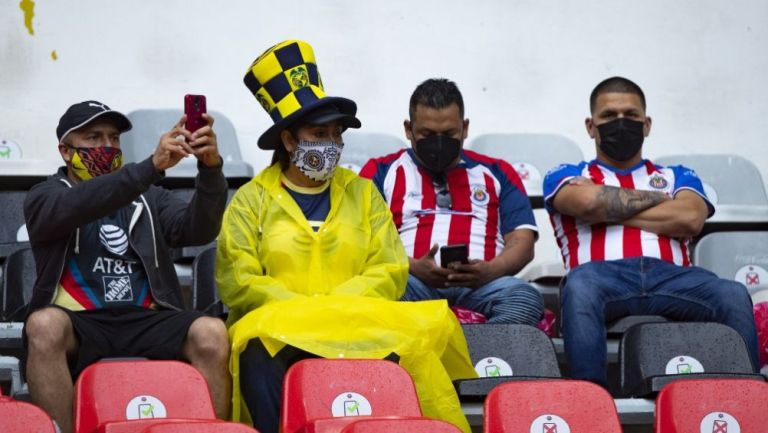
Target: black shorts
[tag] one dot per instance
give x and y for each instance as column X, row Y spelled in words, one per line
column 128, row 332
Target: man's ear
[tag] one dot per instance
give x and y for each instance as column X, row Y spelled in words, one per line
column 590, row 125
column 466, row 129
column 408, row 131
column 647, row 126
column 64, row 152
column 289, row 141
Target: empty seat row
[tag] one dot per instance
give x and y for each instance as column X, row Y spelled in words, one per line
column 377, row 396
column 702, row 405
column 651, row 355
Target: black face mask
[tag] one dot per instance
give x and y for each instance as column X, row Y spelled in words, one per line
column 437, row 152
column 621, row 139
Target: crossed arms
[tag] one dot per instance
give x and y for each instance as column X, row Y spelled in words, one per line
column 680, row 216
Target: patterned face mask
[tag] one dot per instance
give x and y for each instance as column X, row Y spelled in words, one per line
column 317, row 159
column 90, row 162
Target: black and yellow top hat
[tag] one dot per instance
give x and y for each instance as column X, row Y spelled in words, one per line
column 287, row 84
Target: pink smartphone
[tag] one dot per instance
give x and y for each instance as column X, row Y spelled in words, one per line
column 194, row 107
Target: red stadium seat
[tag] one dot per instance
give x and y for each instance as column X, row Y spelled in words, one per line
column 400, row 425
column 550, row 406
column 324, row 395
column 20, row 417
column 199, row 427
column 712, row 406
column 122, row 396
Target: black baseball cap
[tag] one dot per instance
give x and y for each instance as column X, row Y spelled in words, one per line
column 85, row 112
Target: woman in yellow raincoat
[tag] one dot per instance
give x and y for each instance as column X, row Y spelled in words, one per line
column 309, row 261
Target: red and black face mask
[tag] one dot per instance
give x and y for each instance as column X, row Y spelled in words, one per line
column 90, row 162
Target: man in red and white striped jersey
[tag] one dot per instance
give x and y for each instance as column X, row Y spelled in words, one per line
column 441, row 195
column 623, row 225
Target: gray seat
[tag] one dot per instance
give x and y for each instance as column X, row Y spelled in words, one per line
column 741, row 256
column 187, row 254
column 619, row 327
column 205, row 294
column 16, row 291
column 10, row 376
column 149, row 124
column 19, row 279
column 503, row 353
column 732, row 183
column 13, row 232
column 532, row 155
column 654, row 354
column 359, row 147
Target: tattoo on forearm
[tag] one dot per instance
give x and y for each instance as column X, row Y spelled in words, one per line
column 622, row 203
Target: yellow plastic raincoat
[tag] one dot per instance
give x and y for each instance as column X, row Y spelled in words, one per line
column 331, row 292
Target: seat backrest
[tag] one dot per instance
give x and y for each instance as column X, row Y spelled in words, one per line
column 403, row 425
column 657, row 349
column 532, row 155
column 329, row 388
column 511, row 350
column 205, row 294
column 740, row 256
column 124, row 390
column 359, row 147
column 728, row 179
column 12, row 217
column 20, row 417
column 550, row 406
column 187, row 254
column 619, row 327
column 712, row 406
column 19, row 275
column 149, row 124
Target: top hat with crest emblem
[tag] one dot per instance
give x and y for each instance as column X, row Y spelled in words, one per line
column 287, row 84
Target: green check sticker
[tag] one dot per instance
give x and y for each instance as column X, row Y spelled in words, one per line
column 352, row 408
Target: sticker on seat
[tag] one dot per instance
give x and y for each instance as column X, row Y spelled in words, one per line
column 493, row 367
column 719, row 422
column 350, row 404
column 145, row 406
column 683, row 365
column 549, row 424
column 752, row 276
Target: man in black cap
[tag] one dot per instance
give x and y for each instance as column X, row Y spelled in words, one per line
column 106, row 286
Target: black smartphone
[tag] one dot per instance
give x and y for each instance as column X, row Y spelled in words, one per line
column 454, row 253
column 194, row 107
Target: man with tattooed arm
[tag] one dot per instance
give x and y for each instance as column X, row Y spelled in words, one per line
column 623, row 225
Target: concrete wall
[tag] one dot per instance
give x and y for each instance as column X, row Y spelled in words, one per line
column 523, row 65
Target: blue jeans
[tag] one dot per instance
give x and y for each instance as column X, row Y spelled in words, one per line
column 503, row 300
column 599, row 292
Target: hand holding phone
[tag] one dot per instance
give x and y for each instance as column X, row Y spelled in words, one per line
column 194, row 108
column 454, row 253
